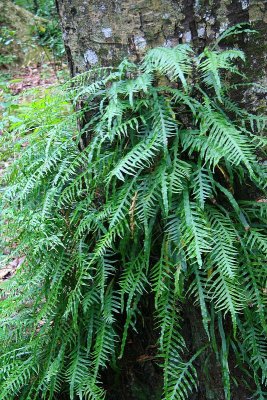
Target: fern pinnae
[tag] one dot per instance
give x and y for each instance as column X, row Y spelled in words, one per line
column 160, row 274
column 163, row 121
column 133, row 280
column 202, row 185
column 197, row 236
column 254, row 281
column 227, row 295
column 224, row 134
column 199, row 290
column 224, row 360
column 224, row 253
column 255, row 238
column 132, row 162
column 175, row 62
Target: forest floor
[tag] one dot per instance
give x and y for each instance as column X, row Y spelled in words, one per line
column 15, row 87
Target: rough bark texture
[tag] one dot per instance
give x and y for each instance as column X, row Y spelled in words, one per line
column 103, row 32
column 98, row 32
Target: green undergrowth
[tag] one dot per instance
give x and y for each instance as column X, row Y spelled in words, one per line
column 17, row 110
column 139, row 190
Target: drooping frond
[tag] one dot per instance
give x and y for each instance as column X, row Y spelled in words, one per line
column 211, row 63
column 196, row 232
column 175, row 62
column 224, row 253
column 202, row 185
column 227, row 295
column 222, row 133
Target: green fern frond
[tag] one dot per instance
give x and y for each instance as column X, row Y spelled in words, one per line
column 196, row 233
column 202, row 185
column 77, row 370
column 176, row 62
column 223, row 134
column 224, row 253
column 211, row 63
column 199, row 290
column 227, row 295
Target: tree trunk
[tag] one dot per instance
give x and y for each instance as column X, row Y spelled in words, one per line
column 103, row 32
column 98, row 32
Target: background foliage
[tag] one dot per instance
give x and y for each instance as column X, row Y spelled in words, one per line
column 42, row 8
column 23, row 35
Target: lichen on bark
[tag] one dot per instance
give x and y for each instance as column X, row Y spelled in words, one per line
column 104, row 32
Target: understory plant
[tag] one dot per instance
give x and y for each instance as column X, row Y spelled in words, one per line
column 151, row 187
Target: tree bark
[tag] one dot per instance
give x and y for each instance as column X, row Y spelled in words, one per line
column 98, row 32
column 103, row 32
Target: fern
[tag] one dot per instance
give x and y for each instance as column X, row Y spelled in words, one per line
column 144, row 211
